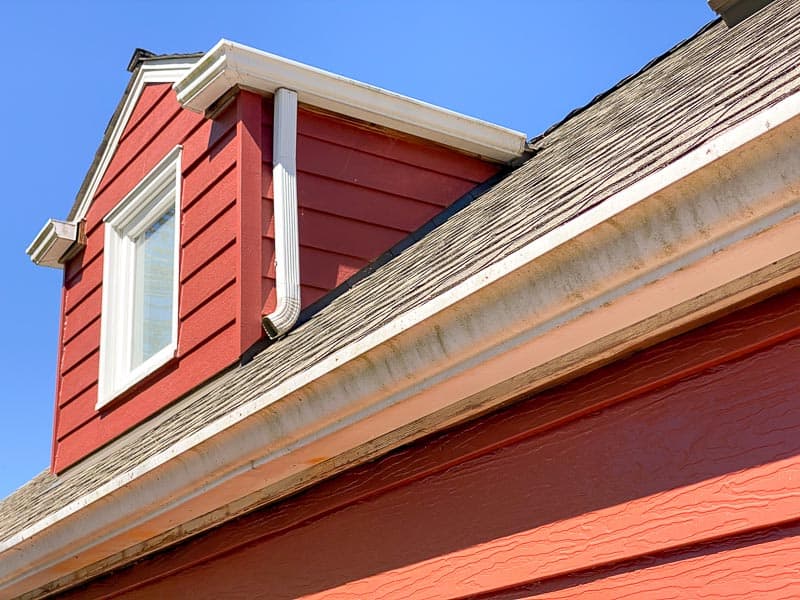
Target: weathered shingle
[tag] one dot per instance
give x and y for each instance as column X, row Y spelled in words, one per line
column 698, row 90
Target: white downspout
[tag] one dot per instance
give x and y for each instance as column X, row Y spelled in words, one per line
column 284, row 182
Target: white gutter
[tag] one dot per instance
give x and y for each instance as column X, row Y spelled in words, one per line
column 287, row 251
column 728, row 221
column 229, row 64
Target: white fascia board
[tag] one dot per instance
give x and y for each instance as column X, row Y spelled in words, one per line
column 728, row 217
column 51, row 243
column 229, row 64
column 151, row 71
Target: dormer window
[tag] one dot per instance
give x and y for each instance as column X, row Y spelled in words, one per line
column 139, row 330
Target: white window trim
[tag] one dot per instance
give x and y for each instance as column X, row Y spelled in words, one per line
column 134, row 213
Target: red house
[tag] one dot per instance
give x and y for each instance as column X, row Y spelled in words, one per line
column 320, row 340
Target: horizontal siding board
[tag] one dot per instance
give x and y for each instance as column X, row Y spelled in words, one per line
column 208, row 281
column 76, row 412
column 375, row 172
column 203, row 213
column 761, row 564
column 82, row 345
column 167, row 121
column 694, row 449
column 319, row 268
column 215, row 314
column 342, row 236
column 208, row 139
column 206, row 174
column 82, row 314
column 81, row 377
column 406, row 150
column 211, row 241
column 152, row 95
column 142, row 163
column 352, row 201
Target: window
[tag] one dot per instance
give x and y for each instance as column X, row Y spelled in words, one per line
column 139, row 328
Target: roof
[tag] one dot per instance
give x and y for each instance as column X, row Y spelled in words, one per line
column 698, row 90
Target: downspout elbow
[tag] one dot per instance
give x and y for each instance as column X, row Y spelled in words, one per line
column 284, row 182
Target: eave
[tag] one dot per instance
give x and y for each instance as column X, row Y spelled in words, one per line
column 601, row 285
column 228, row 65
column 55, row 243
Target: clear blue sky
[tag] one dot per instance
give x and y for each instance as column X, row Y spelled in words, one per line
column 520, row 64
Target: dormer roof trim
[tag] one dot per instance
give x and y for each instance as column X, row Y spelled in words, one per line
column 167, row 69
column 55, row 243
column 229, row 64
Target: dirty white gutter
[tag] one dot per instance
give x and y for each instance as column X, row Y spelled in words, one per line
column 728, row 217
column 287, row 246
column 228, row 65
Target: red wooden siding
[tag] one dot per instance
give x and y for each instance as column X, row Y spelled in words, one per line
column 670, row 474
column 211, row 332
column 360, row 191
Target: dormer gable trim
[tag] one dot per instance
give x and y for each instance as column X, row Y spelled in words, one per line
column 154, row 70
column 228, row 65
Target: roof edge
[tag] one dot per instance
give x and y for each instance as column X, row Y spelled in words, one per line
column 157, row 69
column 229, row 64
column 546, row 311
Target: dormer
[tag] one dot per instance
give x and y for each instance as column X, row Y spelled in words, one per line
column 232, row 191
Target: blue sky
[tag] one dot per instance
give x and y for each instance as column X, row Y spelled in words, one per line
column 523, row 65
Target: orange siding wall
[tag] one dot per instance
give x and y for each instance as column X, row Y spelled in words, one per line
column 360, row 191
column 672, row 474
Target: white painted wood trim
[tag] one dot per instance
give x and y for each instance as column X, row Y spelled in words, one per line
column 156, row 71
column 115, row 376
column 599, row 285
column 229, row 64
column 52, row 242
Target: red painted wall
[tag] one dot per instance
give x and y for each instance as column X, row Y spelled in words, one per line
column 673, row 473
column 360, row 191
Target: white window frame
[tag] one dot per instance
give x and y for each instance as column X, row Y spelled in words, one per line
column 137, row 211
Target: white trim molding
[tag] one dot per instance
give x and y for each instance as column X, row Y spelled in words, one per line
column 728, row 217
column 156, row 195
column 56, row 241
column 150, row 71
column 229, row 64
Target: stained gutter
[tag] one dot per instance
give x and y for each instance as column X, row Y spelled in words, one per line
column 228, row 65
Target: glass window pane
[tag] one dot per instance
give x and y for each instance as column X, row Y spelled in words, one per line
column 153, row 286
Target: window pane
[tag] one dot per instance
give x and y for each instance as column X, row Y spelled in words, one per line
column 153, row 286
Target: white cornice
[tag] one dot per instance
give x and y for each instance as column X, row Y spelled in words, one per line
column 229, row 64
column 53, row 242
column 728, row 217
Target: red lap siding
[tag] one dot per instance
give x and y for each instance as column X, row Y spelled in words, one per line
column 208, row 338
column 668, row 474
